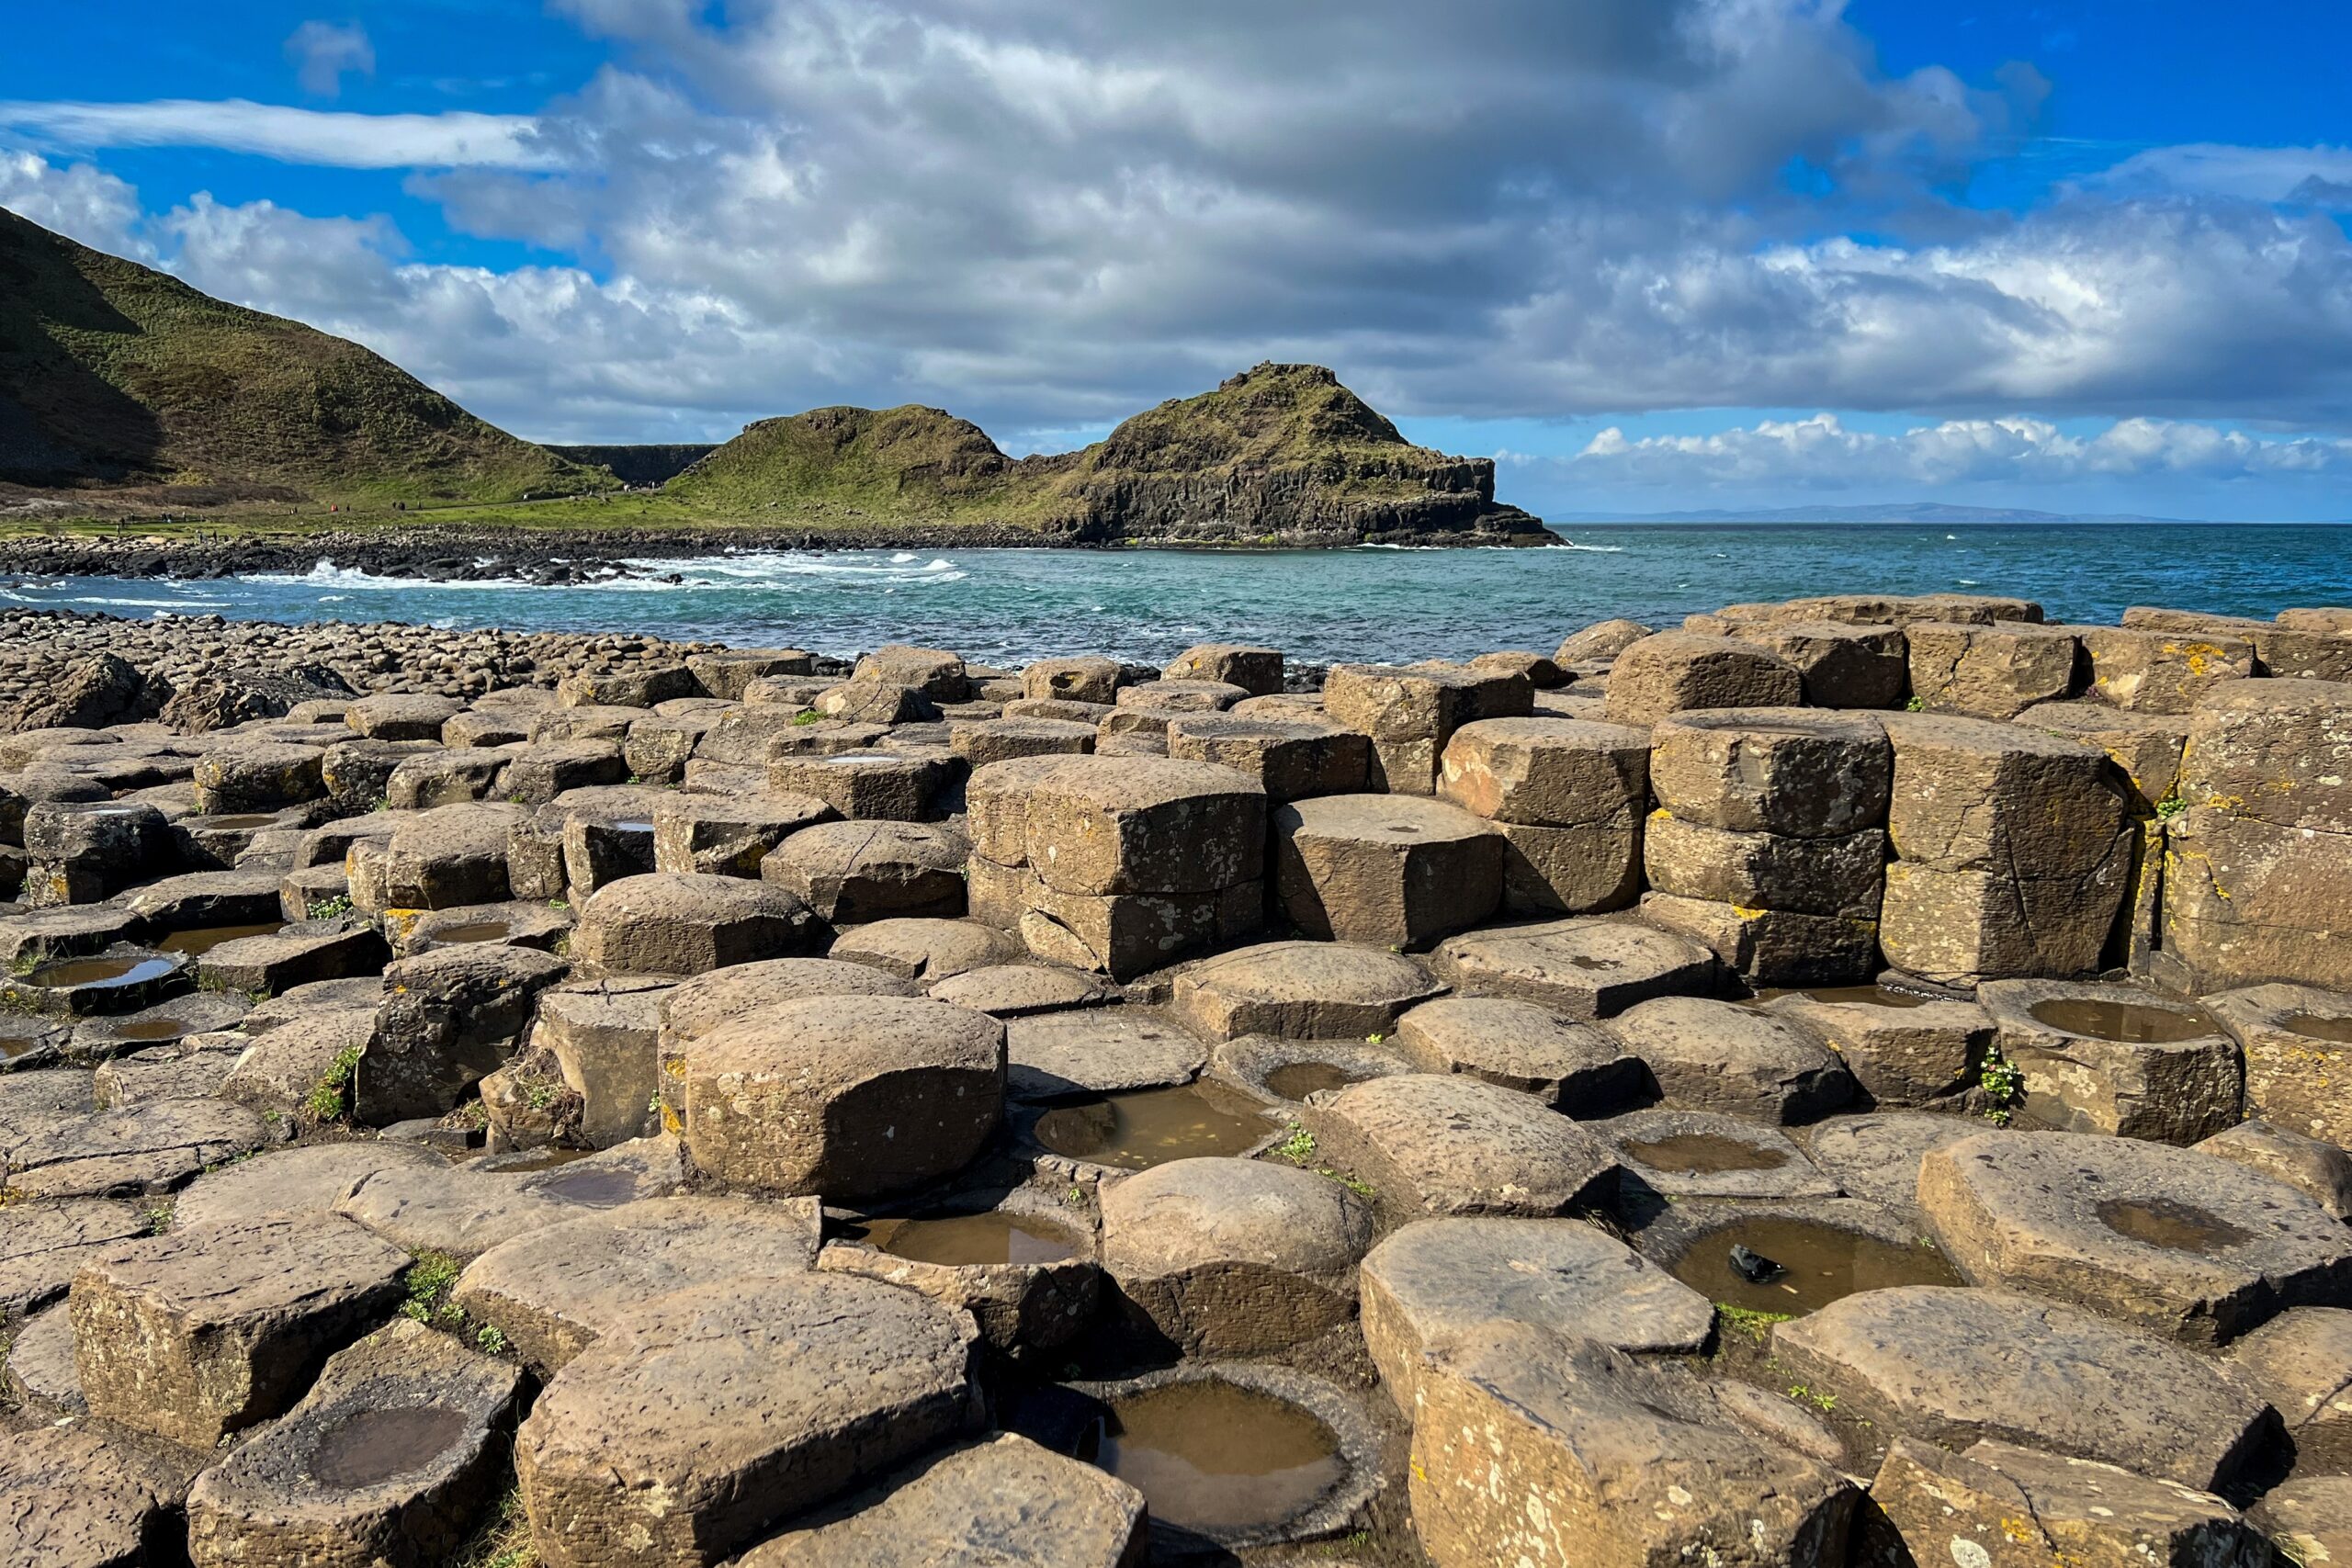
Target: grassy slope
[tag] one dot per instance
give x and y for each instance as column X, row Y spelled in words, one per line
column 130, row 376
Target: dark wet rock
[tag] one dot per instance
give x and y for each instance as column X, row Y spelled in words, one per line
column 338, row 947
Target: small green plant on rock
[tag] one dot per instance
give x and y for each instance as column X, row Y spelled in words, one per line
column 329, row 909
column 1824, row 1402
column 2170, row 807
column 1746, row 1322
column 429, row 1279
column 158, row 1218
column 1914, row 704
column 331, row 1096
column 1299, row 1147
column 492, row 1338
column 807, row 716
column 503, row 1540
column 2003, row 1082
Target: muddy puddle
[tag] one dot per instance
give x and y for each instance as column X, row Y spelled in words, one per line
column 1151, row 1127
column 1819, row 1263
column 2170, row 1223
column 1212, row 1455
column 2129, row 1023
column 961, row 1239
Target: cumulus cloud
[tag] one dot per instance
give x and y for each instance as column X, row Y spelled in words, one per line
column 80, row 202
column 1825, row 453
column 331, row 138
column 322, row 53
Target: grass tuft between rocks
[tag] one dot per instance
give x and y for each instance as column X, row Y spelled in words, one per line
column 503, row 1540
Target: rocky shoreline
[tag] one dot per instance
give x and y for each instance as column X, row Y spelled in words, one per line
column 553, row 557
column 1854, row 1081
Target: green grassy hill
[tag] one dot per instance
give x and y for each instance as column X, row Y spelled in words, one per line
column 901, row 464
column 112, row 374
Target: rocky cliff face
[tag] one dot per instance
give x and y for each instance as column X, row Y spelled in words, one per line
column 1282, row 450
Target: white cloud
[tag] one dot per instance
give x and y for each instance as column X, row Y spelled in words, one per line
column 2319, row 176
column 330, row 137
column 1824, row 453
column 80, row 202
column 323, row 52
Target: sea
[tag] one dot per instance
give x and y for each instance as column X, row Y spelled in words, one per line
column 1005, row 606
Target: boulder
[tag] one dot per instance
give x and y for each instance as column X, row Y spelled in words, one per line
column 1087, row 679
column 1000, row 1500
column 1389, row 869
column 728, row 835
column 1703, row 1153
column 1307, row 991
column 1439, row 1144
column 258, row 776
column 1095, row 1050
column 2001, row 1504
column 393, row 716
column 2135, row 667
column 1410, row 714
column 1547, row 1451
column 923, row 949
column 2322, row 1171
column 1572, row 1066
column 2302, row 1362
column 2115, row 1059
column 1290, row 758
column 699, row 1421
column 394, row 1452
column 78, row 854
column 1584, row 968
column 1953, row 1366
column 555, row 1292
column 847, row 1098
column 86, row 1495
column 447, row 1018
column 2177, row 1242
column 1673, row 672
column 1232, row 1256
column 2297, row 1046
column 1716, row 1055
column 1257, row 670
column 849, row 871
column 1903, row 1050
column 1434, row 1280
column 1991, row 671
column 863, row 785
column 204, row 1332
column 685, row 923
column 2258, row 885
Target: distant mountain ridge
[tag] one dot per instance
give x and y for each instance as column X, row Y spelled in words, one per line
column 115, row 374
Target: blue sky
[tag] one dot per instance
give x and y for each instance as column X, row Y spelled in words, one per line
column 1651, row 253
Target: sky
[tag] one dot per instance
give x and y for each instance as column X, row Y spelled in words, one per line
column 1649, row 254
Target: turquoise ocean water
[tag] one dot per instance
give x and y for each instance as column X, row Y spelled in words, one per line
column 1374, row 603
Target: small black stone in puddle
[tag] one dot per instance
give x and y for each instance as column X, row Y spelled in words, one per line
column 1754, row 1266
